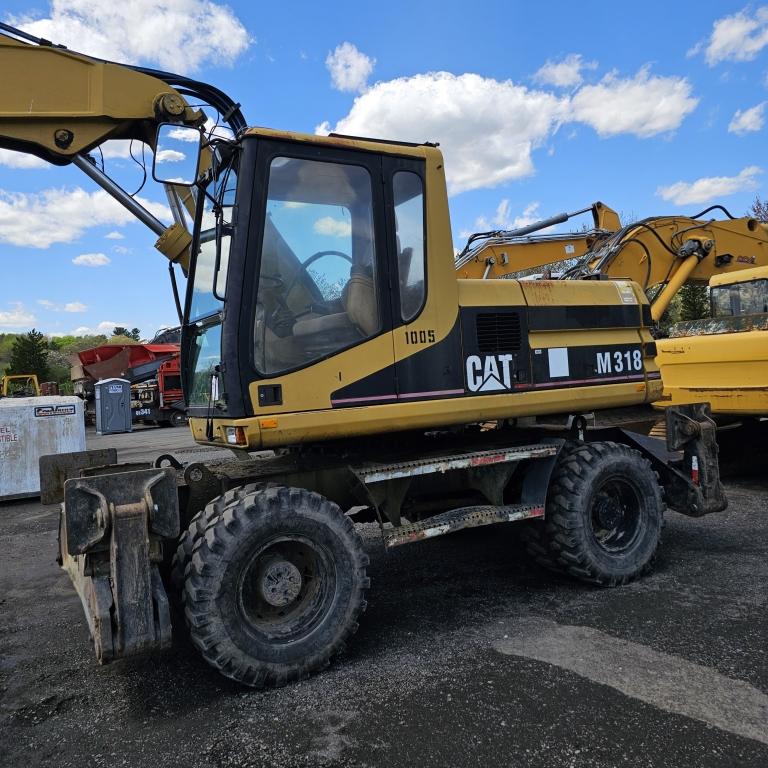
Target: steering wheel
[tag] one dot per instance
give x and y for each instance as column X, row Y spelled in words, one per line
column 302, row 270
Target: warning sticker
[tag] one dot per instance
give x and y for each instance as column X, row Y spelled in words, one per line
column 626, row 293
column 55, row 410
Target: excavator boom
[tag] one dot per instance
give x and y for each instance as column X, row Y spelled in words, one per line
column 660, row 253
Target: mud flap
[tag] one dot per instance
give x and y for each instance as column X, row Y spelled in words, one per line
column 110, row 540
column 690, row 428
column 688, row 464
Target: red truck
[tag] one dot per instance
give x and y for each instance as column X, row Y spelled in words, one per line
column 160, row 400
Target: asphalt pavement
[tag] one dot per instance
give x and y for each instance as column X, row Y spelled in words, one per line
column 468, row 655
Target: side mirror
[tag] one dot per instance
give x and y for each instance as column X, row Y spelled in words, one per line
column 177, row 154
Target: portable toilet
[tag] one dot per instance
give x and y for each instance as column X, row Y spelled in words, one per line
column 113, row 406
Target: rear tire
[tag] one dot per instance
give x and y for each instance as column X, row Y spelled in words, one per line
column 275, row 586
column 604, row 515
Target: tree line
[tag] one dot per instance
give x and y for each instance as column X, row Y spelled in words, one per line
column 49, row 357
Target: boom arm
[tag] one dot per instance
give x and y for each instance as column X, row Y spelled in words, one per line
column 659, row 253
column 504, row 251
column 665, row 252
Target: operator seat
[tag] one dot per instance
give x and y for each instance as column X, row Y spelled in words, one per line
column 360, row 315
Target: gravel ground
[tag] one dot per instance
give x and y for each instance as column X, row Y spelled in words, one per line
column 467, row 656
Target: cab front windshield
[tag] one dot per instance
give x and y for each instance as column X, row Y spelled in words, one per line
column 748, row 298
column 317, row 275
column 208, row 287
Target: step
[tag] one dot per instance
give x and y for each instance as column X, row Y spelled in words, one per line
column 377, row 473
column 457, row 519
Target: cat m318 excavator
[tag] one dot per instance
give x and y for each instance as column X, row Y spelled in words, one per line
column 324, row 319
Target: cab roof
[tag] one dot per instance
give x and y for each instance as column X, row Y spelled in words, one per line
column 340, row 141
column 743, row 276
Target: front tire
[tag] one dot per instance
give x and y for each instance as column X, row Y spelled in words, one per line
column 275, row 586
column 604, row 515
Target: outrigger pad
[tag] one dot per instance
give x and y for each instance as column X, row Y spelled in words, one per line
column 91, row 502
column 111, row 531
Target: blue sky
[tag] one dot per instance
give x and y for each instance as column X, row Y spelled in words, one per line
column 539, row 108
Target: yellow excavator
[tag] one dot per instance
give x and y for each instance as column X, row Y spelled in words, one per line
column 19, row 385
column 721, row 359
column 324, row 318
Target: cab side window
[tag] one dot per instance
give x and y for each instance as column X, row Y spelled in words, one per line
column 408, row 192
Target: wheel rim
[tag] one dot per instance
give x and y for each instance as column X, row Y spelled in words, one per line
column 286, row 589
column 616, row 515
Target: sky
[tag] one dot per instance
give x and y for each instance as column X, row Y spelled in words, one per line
column 538, row 107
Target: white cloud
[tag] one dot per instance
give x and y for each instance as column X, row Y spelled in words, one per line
column 502, row 220
column 72, row 306
column 12, row 159
column 17, row 317
column 114, row 235
column 169, row 156
column 709, row 188
column 104, row 327
column 183, row 134
column 748, row 120
column 565, row 73
column 644, row 105
column 487, row 128
column 349, row 68
column 181, row 35
column 739, row 37
column 119, row 149
column 332, row 227
column 91, row 260
column 62, row 215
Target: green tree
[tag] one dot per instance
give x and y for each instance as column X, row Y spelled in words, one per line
column 120, row 330
column 30, row 355
column 759, row 209
column 694, row 302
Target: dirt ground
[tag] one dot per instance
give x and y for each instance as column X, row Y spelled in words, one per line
column 467, row 656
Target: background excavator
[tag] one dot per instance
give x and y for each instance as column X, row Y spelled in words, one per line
column 722, row 359
column 394, row 390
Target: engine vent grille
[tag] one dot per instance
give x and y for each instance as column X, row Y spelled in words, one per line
column 498, row 332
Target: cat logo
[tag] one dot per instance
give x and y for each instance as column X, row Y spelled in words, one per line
column 489, row 374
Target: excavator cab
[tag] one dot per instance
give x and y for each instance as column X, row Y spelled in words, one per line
column 323, row 303
column 308, row 257
column 741, row 295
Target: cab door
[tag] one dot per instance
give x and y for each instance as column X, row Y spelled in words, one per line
column 321, row 317
column 426, row 337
